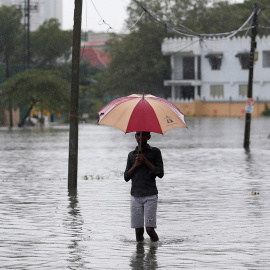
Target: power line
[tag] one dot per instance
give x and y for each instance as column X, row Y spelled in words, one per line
column 184, row 31
column 268, row 20
column 137, row 20
column 264, row 27
column 102, row 21
column 176, row 23
column 179, row 28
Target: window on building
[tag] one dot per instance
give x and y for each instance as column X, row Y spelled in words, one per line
column 242, row 91
column 184, row 92
column 188, row 68
column 199, row 90
column 266, row 59
column 216, row 91
column 244, row 59
column 215, row 60
column 199, row 67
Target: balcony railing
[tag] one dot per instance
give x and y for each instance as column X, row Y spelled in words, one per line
column 180, row 76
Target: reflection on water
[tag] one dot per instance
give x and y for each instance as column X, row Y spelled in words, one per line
column 74, row 225
column 213, row 209
column 142, row 260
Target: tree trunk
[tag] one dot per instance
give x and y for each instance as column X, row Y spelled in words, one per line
column 28, row 112
column 10, row 101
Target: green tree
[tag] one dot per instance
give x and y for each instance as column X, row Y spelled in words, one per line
column 49, row 43
column 212, row 17
column 173, row 13
column 137, row 62
column 90, row 97
column 87, row 71
column 45, row 89
column 264, row 16
column 10, row 32
column 266, row 111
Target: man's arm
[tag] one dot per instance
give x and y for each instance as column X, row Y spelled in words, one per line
column 159, row 169
column 131, row 168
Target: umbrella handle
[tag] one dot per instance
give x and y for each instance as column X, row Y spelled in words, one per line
column 140, row 145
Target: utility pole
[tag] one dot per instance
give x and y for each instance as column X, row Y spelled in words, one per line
column 250, row 78
column 27, row 29
column 27, row 56
column 74, row 103
column 27, row 15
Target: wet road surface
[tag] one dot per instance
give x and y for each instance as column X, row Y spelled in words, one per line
column 213, row 211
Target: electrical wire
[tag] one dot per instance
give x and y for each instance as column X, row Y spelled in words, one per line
column 268, row 20
column 264, row 27
column 96, row 10
column 165, row 24
column 193, row 42
column 101, row 21
column 179, row 28
column 176, row 23
column 136, row 21
column 146, row 11
column 185, row 29
column 245, row 23
column 250, row 25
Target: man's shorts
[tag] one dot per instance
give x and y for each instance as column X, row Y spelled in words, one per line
column 143, row 209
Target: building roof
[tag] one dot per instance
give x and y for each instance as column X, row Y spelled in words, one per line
column 96, row 57
column 94, row 43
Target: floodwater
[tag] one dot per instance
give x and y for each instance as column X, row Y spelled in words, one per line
column 209, row 216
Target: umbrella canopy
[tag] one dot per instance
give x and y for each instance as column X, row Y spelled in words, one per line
column 141, row 113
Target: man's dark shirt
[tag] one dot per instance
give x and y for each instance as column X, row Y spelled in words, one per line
column 143, row 179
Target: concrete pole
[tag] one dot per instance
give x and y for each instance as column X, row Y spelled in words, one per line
column 74, row 103
column 250, row 78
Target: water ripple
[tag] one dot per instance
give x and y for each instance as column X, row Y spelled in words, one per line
column 213, row 210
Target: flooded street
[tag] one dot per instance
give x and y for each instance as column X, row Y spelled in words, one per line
column 213, row 211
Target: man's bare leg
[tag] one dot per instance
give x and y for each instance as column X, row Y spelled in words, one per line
column 152, row 233
column 139, row 234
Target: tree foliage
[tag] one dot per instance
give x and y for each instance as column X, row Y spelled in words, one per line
column 44, row 88
column 90, row 96
column 222, row 17
column 49, row 43
column 10, row 33
column 87, row 72
column 200, row 16
column 137, row 62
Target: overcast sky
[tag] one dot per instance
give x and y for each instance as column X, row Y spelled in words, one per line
column 113, row 12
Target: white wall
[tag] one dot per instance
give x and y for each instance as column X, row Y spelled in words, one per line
column 231, row 74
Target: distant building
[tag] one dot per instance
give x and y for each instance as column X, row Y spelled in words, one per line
column 94, row 50
column 96, row 58
column 41, row 10
column 97, row 40
column 214, row 72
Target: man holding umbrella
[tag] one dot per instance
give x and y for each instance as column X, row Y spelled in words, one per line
column 146, row 113
column 144, row 164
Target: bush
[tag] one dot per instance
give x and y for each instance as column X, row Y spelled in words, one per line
column 266, row 111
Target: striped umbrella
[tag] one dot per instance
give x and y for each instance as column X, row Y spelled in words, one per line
column 141, row 113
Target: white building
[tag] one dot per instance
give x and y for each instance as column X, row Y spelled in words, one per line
column 217, row 69
column 41, row 10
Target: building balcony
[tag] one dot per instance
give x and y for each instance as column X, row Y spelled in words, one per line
column 182, row 83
